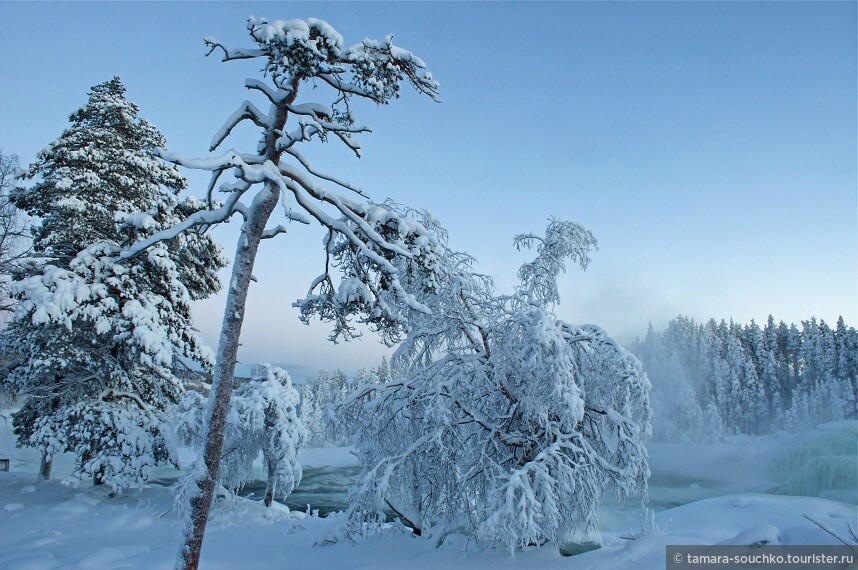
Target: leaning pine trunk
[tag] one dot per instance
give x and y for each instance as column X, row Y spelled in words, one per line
column 222, row 382
column 227, row 353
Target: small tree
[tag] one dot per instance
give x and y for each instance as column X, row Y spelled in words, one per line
column 502, row 421
column 296, row 53
column 263, row 418
column 14, row 247
column 96, row 339
column 14, row 238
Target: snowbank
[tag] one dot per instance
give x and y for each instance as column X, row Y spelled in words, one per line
column 46, row 525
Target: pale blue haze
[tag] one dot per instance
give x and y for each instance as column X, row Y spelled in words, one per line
column 711, row 147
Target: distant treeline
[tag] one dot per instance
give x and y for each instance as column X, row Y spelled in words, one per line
column 326, row 389
column 717, row 379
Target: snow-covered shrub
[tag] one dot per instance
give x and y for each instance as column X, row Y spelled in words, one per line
column 114, row 443
column 500, row 420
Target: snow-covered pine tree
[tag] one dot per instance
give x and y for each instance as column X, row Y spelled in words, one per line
column 847, row 354
column 382, row 373
column 755, row 379
column 501, row 421
column 298, row 55
column 310, row 415
column 96, row 339
column 738, row 402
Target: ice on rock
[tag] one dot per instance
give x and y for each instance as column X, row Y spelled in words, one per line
column 819, row 462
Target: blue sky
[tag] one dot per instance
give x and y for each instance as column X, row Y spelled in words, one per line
column 711, row 147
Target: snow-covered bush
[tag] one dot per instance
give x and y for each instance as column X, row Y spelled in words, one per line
column 262, row 419
column 501, row 421
column 121, row 446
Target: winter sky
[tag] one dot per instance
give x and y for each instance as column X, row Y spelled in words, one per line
column 711, row 147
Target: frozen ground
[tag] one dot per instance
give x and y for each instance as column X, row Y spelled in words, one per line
column 46, row 525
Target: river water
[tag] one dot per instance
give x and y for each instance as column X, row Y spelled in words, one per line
column 820, row 463
column 325, row 489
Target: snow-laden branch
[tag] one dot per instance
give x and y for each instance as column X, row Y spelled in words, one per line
column 337, row 225
column 247, row 111
column 204, row 217
column 109, row 394
column 316, row 110
column 352, row 211
column 260, row 86
column 249, row 174
column 230, row 54
column 344, row 86
column 274, row 232
column 308, row 128
column 309, row 168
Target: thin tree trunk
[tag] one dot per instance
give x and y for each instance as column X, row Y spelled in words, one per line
column 47, row 464
column 98, row 477
column 222, row 382
column 45, row 467
column 271, row 485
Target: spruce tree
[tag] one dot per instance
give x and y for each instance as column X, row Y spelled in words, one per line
column 99, row 340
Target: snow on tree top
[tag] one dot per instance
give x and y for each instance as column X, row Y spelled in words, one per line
column 294, row 30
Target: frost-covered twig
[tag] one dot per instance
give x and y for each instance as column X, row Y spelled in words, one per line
column 852, row 545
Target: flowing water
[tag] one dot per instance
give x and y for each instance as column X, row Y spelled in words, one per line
column 323, row 489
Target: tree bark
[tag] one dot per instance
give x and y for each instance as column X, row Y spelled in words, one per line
column 271, row 485
column 222, row 382
column 98, row 477
column 47, row 464
column 45, row 467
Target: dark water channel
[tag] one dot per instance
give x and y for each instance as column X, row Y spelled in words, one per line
column 326, row 489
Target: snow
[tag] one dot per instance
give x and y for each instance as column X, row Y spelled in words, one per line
column 92, row 530
column 48, row 525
